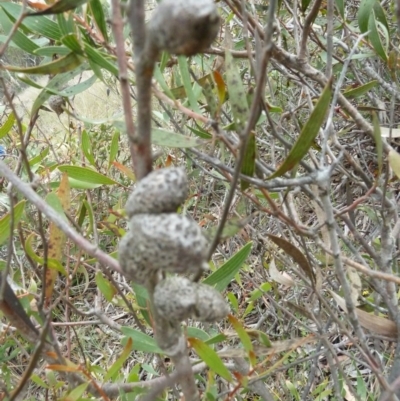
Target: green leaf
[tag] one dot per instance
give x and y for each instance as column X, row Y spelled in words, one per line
column 224, row 275
column 78, row 184
column 197, row 333
column 364, row 13
column 19, row 38
column 159, row 77
column 359, row 91
column 184, row 70
column 236, row 90
column 201, row 133
column 62, row 64
column 60, row 6
column 106, row 288
column 210, row 357
column 50, row 51
column 242, row 333
column 87, row 148
column 209, row 94
column 117, row 365
column 98, row 14
column 71, row 41
column 340, row 7
column 40, row 157
column 375, row 38
column 114, row 147
column 142, row 299
column 140, row 341
column 219, row 338
column 308, row 133
column 66, row 23
column 54, row 201
column 258, row 292
column 100, row 59
column 41, row 25
column 173, row 140
column 6, row 220
column 6, row 127
column 249, row 161
column 86, row 175
column 231, row 228
column 77, row 392
column 304, row 5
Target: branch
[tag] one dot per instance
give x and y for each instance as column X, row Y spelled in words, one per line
column 26, row 190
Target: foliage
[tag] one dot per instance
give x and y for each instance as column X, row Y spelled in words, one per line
column 305, row 249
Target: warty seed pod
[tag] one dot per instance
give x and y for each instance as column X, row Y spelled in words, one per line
column 57, row 104
column 183, row 27
column 168, row 242
column 161, row 191
column 177, row 298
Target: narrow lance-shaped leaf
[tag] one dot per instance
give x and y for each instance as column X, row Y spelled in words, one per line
column 113, row 148
column 63, row 64
column 295, row 253
column 249, row 161
column 105, row 286
column 308, row 133
column 117, row 365
column 6, row 127
column 223, row 276
column 184, row 70
column 375, row 38
column 87, row 175
column 87, row 148
column 237, row 93
column 364, row 12
column 210, row 357
column 97, row 11
column 19, row 38
column 60, row 7
column 98, row 58
column 140, row 341
column 244, row 338
column 41, row 25
column 173, row 140
column 361, row 90
column 6, row 220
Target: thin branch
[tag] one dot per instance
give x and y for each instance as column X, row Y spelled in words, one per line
column 26, row 190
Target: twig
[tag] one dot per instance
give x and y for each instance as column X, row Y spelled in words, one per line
column 26, row 190
column 253, row 115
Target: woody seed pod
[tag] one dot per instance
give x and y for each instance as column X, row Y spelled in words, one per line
column 183, row 27
column 161, row 191
column 168, row 241
column 177, row 299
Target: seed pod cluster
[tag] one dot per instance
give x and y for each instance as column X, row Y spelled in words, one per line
column 161, row 240
column 183, row 27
